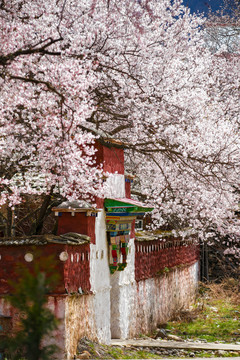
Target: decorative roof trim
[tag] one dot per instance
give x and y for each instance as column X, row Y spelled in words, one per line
column 56, row 209
column 125, row 206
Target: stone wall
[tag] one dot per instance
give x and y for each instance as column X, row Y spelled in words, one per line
column 79, row 321
column 157, row 299
column 139, row 305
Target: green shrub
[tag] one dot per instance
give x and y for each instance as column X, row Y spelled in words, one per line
column 36, row 321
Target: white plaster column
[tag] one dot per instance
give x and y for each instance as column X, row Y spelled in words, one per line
column 127, row 292
column 100, row 280
column 115, row 186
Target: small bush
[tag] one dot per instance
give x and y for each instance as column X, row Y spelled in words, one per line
column 36, row 320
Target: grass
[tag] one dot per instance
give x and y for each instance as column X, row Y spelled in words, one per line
column 214, row 317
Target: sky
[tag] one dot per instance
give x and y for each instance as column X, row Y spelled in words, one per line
column 203, row 5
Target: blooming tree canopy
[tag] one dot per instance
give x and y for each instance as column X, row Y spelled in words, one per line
column 222, row 28
column 137, row 70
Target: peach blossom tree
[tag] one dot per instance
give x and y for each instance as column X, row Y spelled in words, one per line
column 75, row 71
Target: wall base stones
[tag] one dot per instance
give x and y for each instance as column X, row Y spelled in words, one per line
column 79, row 321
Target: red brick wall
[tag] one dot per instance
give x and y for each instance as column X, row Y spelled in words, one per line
column 152, row 257
column 74, row 273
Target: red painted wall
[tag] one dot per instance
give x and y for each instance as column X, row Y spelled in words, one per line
column 151, row 257
column 127, row 189
column 74, row 273
column 80, row 223
column 132, row 233
column 77, row 269
column 111, row 157
column 99, row 202
column 12, row 256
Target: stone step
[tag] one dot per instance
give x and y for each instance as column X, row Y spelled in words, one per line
column 174, row 344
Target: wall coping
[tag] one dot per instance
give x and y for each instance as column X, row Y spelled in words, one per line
column 38, row 240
